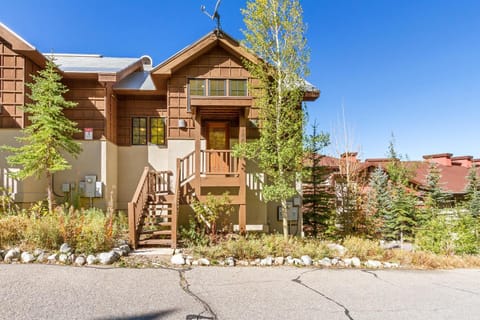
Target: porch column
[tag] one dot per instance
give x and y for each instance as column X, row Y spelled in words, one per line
column 242, row 138
column 198, row 134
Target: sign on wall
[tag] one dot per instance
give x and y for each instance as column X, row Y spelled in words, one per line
column 88, row 133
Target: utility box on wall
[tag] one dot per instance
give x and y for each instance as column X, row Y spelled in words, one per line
column 90, row 186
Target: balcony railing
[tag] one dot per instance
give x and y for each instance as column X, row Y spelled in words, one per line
column 218, row 162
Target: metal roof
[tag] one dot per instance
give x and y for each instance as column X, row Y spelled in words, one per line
column 140, row 80
column 90, row 63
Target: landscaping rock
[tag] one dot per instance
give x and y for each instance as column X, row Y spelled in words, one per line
column 334, row 261
column 37, row 252
column 177, row 259
column 27, row 257
column 203, row 262
column 63, row 258
column 340, row 264
column 297, row 262
column 65, row 248
column 373, row 264
column 121, row 242
column 42, row 257
column 108, row 257
column 306, row 260
column 52, row 258
column 12, row 255
column 195, row 263
column 230, row 261
column 243, row 263
column 341, row 250
column 268, row 261
column 80, row 261
column 279, row 261
column 325, row 262
column 188, row 260
column 2, row 254
column 356, row 262
column 71, row 258
column 91, row 259
column 289, row 260
column 347, row 262
column 125, row 249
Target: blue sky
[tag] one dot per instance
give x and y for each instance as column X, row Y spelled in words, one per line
column 407, row 67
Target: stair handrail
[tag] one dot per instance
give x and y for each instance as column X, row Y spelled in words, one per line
column 136, row 207
column 186, row 168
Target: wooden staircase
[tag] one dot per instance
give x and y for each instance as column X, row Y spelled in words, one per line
column 152, row 213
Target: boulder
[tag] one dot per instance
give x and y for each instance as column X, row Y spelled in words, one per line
column 325, row 262
column 27, row 257
column 356, row 262
column 334, row 261
column 279, row 261
column 65, row 248
column 306, row 260
column 108, row 257
column 80, row 261
column 373, row 264
column 230, row 261
column 63, row 258
column 91, row 259
column 178, row 259
column 125, row 249
column 268, row 261
column 12, row 255
column 297, row 262
column 203, row 262
column 339, row 249
column 188, row 260
column 37, row 252
column 289, row 260
column 347, row 262
column 52, row 258
column 42, row 257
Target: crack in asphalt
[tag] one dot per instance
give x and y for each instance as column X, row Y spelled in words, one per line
column 186, row 288
column 377, row 277
column 457, row 289
column 297, row 280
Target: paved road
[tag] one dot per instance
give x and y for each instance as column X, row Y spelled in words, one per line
column 56, row 292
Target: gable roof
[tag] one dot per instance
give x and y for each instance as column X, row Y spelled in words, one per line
column 191, row 52
column 20, row 45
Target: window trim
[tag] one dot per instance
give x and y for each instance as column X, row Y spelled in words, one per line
column 148, row 131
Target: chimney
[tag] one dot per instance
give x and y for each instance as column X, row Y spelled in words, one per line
column 464, row 161
column 441, row 158
column 350, row 156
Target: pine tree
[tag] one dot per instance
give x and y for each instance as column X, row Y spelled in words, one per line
column 435, row 198
column 50, row 133
column 275, row 32
column 473, row 192
column 317, row 199
column 378, row 199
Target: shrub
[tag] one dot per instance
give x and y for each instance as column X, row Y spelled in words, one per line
column 12, row 229
column 450, row 235
column 362, row 248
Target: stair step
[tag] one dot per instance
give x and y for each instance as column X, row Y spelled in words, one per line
column 157, row 232
column 155, row 242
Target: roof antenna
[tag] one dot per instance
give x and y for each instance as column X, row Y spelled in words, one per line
column 215, row 14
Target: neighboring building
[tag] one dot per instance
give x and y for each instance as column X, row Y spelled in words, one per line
column 453, row 170
column 154, row 137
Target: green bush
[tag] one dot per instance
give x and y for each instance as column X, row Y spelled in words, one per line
column 450, row 235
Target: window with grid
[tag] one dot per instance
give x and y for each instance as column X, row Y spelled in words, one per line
column 197, row 87
column 238, row 87
column 139, row 130
column 216, row 87
column 157, row 131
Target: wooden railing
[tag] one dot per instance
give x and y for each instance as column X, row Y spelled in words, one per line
column 218, row 162
column 185, row 168
column 137, row 206
column 160, row 181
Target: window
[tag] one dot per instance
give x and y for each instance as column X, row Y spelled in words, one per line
column 216, row 87
column 197, row 87
column 238, row 88
column 139, row 130
column 152, row 130
column 157, row 131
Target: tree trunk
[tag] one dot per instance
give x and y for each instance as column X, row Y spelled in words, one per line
column 50, row 196
column 285, row 219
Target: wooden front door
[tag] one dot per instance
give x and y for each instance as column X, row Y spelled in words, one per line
column 218, row 142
